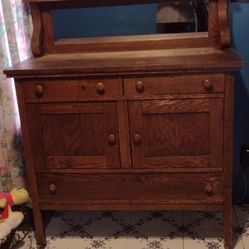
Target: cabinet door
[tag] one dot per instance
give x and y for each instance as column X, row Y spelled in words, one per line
column 178, row 133
column 74, row 135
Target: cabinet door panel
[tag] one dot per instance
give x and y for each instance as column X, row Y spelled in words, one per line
column 75, row 135
column 177, row 133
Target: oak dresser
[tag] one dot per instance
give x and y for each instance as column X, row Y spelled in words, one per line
column 128, row 123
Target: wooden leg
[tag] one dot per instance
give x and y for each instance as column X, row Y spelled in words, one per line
column 228, row 226
column 39, row 229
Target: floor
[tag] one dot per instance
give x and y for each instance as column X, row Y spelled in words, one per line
column 142, row 230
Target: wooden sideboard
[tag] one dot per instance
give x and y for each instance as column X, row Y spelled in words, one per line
column 134, row 123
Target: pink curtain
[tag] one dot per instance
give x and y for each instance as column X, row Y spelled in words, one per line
column 15, row 33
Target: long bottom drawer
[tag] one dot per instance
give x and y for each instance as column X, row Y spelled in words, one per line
column 148, row 188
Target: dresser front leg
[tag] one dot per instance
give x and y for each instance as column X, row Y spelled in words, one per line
column 228, row 226
column 39, row 229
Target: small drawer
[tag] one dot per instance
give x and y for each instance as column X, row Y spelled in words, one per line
column 71, row 90
column 173, row 84
column 134, row 188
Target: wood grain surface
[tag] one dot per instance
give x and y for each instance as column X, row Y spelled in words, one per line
column 120, row 63
column 178, row 189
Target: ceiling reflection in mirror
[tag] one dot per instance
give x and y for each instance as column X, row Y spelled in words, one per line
column 169, row 17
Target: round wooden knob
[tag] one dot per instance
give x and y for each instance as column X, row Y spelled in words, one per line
column 207, row 84
column 52, row 188
column 209, row 189
column 39, row 91
column 137, row 139
column 112, row 139
column 100, row 88
column 140, row 86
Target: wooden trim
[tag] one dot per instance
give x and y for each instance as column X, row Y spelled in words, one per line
column 133, row 38
column 45, row 205
column 124, row 135
column 223, row 18
column 36, row 130
column 133, row 170
column 176, row 96
column 100, row 1
column 136, row 127
column 177, row 162
column 228, row 158
column 30, row 164
column 111, row 127
column 126, row 43
column 218, row 23
column 75, row 162
column 216, row 132
column 72, row 108
column 213, row 25
column 38, row 31
column 48, row 31
column 93, row 3
column 175, row 106
column 135, row 202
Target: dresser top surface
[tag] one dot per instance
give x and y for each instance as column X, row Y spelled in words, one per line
column 126, row 62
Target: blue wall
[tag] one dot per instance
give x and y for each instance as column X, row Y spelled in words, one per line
column 240, row 37
column 141, row 20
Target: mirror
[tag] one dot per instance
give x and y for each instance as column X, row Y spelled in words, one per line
column 157, row 18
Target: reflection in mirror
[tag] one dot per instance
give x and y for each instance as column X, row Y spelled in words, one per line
column 169, row 17
column 183, row 16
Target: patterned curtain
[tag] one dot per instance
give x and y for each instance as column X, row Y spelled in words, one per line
column 15, row 32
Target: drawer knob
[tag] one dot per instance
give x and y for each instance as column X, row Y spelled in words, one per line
column 52, row 188
column 100, row 88
column 209, row 189
column 137, row 139
column 112, row 139
column 39, row 91
column 207, row 84
column 140, row 86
